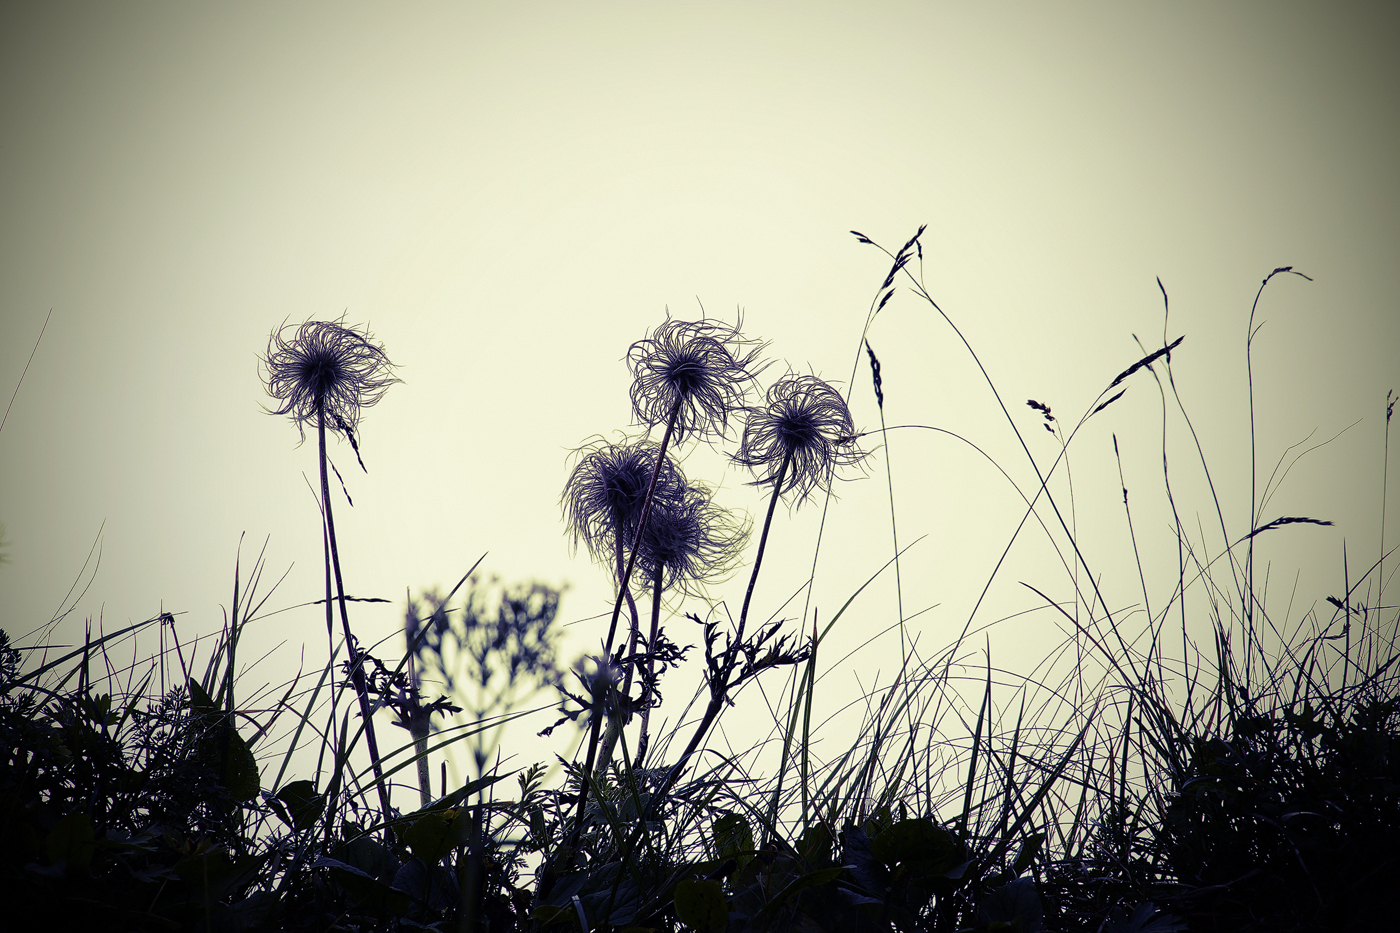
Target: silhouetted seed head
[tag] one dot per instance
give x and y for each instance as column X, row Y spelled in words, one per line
column 806, row 418
column 692, row 542
column 706, row 366
column 605, row 493
column 325, row 362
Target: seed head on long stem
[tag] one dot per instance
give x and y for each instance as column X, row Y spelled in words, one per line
column 325, row 364
column 606, row 492
column 327, row 372
column 691, row 541
column 699, row 370
column 804, row 423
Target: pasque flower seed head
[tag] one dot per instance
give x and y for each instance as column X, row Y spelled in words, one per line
column 702, row 370
column 607, row 490
column 324, row 364
column 805, row 423
column 691, row 541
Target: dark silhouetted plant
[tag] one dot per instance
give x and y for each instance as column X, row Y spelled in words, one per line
column 327, row 372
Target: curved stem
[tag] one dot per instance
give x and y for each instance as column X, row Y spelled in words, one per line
column 719, row 689
column 621, row 566
column 636, row 620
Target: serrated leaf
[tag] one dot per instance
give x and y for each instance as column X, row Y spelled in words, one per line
column 815, row 845
column 433, row 888
column 1010, row 903
column 369, row 856
column 1028, row 852
column 241, row 772
column 701, row 905
column 1144, row 919
column 363, row 889
column 210, row 871
column 222, row 747
column 868, row 872
column 798, row 885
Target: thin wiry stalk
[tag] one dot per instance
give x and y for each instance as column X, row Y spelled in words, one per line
column 900, row 265
column 617, row 608
column 644, row 738
column 357, row 670
column 641, row 524
column 758, row 558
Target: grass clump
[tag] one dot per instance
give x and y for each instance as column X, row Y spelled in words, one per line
column 1193, row 762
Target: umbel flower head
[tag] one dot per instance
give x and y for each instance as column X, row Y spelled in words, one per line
column 705, row 367
column 691, row 541
column 806, row 424
column 324, row 364
column 604, row 495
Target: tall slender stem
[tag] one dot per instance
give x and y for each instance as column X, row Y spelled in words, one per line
column 758, row 560
column 642, row 525
column 357, row 670
column 617, row 610
column 1385, row 476
column 621, row 566
column 649, row 684
column 718, row 690
column 418, row 726
column 631, row 609
column 610, row 740
column 894, row 534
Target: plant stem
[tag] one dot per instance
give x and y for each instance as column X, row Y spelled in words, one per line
column 636, row 622
column 758, row 560
column 718, row 690
column 641, row 525
column 650, row 681
column 418, row 727
column 617, row 610
column 605, row 755
column 357, row 670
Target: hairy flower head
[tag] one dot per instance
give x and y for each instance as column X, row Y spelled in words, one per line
column 324, row 364
column 805, row 423
column 691, row 541
column 604, row 495
column 705, row 367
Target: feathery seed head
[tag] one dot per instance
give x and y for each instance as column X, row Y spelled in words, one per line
column 805, row 422
column 691, row 541
column 325, row 364
column 705, row 366
column 604, row 495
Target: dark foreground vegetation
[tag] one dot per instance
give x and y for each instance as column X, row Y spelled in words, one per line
column 1199, row 764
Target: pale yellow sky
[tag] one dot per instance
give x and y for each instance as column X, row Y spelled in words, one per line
column 510, row 194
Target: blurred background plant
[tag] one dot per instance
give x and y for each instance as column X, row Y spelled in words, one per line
column 495, row 650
